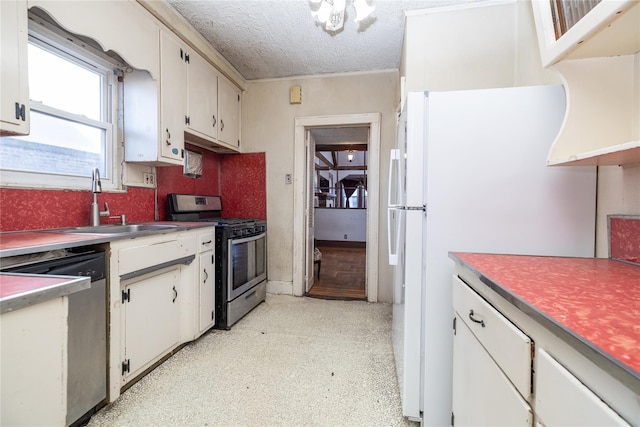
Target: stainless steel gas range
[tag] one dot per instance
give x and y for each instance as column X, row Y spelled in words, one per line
column 240, row 253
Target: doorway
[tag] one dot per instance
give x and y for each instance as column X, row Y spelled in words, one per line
column 340, row 202
column 303, row 269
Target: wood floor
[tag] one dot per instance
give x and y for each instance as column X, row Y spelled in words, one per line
column 342, row 273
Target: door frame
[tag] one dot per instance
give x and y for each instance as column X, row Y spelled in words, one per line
column 373, row 193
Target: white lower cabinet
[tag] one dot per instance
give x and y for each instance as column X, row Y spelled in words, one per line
column 161, row 296
column 562, row 400
column 33, row 364
column 206, row 292
column 500, row 378
column 491, row 365
column 206, row 285
column 151, row 319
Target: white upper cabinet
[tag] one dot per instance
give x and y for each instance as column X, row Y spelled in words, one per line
column 598, row 59
column 213, row 104
column 229, row 111
column 611, row 28
column 172, row 96
column 122, row 26
column 154, row 109
column 202, row 99
column 14, row 95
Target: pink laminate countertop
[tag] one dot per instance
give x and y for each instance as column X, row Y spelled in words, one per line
column 11, row 285
column 22, row 290
column 594, row 298
column 16, row 240
column 31, row 241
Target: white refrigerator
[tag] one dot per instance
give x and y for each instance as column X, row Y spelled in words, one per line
column 469, row 174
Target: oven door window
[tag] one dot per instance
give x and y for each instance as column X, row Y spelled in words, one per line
column 247, row 264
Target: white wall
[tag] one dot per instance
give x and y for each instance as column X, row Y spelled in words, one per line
column 268, row 125
column 334, row 224
column 483, row 45
column 618, row 186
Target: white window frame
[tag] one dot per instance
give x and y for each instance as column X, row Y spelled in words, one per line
column 49, row 36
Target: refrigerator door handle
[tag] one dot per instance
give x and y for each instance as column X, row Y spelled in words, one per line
column 391, row 207
column 393, row 256
column 393, row 157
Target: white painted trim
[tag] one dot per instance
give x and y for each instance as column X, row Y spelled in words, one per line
column 373, row 194
column 456, row 7
column 324, row 76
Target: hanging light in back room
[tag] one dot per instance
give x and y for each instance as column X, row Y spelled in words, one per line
column 350, row 156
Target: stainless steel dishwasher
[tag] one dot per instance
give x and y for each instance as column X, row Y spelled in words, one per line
column 87, row 338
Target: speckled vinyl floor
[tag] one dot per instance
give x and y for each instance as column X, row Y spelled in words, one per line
column 290, row 362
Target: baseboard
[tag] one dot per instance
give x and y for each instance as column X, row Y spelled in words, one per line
column 279, row 287
column 340, row 244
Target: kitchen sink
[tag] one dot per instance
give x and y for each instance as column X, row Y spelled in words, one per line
column 120, row 229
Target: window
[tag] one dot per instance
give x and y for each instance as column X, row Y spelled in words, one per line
column 73, row 103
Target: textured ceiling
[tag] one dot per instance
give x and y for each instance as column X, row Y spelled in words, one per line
column 280, row 38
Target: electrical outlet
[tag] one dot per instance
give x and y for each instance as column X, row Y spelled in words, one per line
column 345, row 237
column 287, row 178
column 149, row 178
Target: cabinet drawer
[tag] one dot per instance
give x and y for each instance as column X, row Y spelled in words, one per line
column 148, row 255
column 561, row 399
column 506, row 344
column 206, row 242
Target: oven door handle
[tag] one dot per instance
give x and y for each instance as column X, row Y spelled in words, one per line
column 247, row 239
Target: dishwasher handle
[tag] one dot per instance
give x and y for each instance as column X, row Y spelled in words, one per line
column 184, row 260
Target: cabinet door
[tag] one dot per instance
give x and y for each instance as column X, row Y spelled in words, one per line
column 202, row 96
column 206, row 292
column 561, row 399
column 172, row 96
column 151, row 317
column 505, row 343
column 14, row 95
column 229, row 110
column 482, row 394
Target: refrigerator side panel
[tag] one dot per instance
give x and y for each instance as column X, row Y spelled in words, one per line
column 489, row 190
column 413, row 290
column 408, row 273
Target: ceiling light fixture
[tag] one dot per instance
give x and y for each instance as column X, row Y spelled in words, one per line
column 331, row 12
column 350, row 156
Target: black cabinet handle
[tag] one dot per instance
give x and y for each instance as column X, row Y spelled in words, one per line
column 206, row 275
column 20, row 112
column 214, row 121
column 475, row 320
column 175, row 294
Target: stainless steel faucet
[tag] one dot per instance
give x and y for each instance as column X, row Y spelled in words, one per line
column 96, row 187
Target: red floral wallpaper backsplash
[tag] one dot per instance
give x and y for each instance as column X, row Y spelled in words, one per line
column 243, row 186
column 36, row 209
column 624, row 237
column 238, row 178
